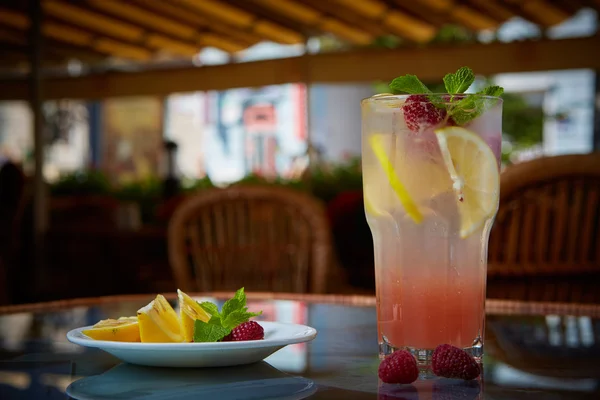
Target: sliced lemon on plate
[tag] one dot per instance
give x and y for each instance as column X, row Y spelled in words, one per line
column 474, row 173
column 189, row 312
column 124, row 329
column 159, row 323
column 406, row 200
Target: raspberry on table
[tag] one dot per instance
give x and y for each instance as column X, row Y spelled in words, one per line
column 250, row 330
column 451, row 362
column 420, row 112
column 399, row 367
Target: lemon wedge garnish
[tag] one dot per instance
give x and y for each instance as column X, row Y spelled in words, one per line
column 475, row 175
column 388, row 168
column 159, row 323
column 124, row 329
column 189, row 312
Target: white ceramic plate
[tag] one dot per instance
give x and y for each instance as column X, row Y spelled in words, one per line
column 256, row 381
column 219, row 354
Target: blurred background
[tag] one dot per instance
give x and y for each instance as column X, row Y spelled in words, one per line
column 113, row 114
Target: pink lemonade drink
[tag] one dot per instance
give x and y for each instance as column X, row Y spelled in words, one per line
column 431, row 186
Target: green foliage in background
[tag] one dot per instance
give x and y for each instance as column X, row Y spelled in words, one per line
column 85, row 183
column 451, row 33
column 146, row 193
column 327, row 181
column 522, row 123
column 323, row 181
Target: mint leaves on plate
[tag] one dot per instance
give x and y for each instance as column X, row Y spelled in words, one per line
column 233, row 313
column 461, row 109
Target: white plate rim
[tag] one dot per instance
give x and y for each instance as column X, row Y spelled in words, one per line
column 304, row 334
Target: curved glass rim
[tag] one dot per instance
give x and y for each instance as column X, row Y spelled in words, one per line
column 389, row 97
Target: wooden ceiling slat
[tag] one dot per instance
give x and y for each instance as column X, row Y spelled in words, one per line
column 145, row 18
column 90, row 20
column 222, row 11
column 420, row 10
column 15, row 42
column 123, row 30
column 244, row 20
column 274, row 32
column 137, row 29
column 122, row 50
column 394, row 20
column 312, row 17
column 71, row 35
column 174, row 46
column 262, row 13
column 351, row 18
column 452, row 11
column 548, row 14
column 214, row 40
column 11, row 36
column 569, row 6
column 537, row 11
column 13, row 19
column 472, row 19
column 183, row 40
column 344, row 31
column 294, row 10
column 230, row 37
column 494, row 9
column 67, row 34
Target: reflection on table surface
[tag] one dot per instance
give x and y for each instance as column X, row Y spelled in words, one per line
column 531, row 349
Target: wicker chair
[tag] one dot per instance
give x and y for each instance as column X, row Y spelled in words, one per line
column 262, row 238
column 545, row 243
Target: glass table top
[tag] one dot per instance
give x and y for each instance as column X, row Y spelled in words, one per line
column 531, row 349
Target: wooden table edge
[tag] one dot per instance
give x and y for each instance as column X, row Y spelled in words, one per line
column 493, row 306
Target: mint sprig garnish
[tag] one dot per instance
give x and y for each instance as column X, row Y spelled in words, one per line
column 233, row 313
column 460, row 81
column 471, row 107
column 409, row 84
column 461, row 109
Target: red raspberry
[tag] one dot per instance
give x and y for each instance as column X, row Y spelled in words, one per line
column 451, row 362
column 420, row 113
column 399, row 367
column 250, row 330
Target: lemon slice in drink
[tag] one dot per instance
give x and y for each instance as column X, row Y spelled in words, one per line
column 388, row 168
column 189, row 312
column 159, row 323
column 124, row 329
column 474, row 173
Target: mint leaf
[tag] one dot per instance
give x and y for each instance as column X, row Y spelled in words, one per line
column 233, row 313
column 492, row 91
column 408, row 84
column 210, row 308
column 240, row 296
column 460, row 81
column 238, row 317
column 230, row 306
column 211, row 331
column 473, row 106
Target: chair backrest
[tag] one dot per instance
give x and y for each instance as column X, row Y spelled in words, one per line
column 548, row 222
column 260, row 237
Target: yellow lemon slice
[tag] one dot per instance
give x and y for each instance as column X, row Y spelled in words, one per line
column 474, row 173
column 159, row 323
column 388, row 168
column 124, row 329
column 189, row 312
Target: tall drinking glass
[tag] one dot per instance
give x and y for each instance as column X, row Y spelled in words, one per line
column 431, row 190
